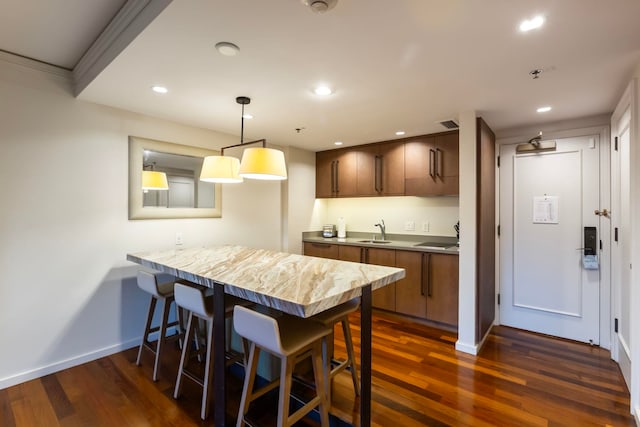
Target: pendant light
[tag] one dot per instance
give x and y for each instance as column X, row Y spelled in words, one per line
column 257, row 162
column 154, row 180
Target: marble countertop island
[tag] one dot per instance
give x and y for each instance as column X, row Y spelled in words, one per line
column 295, row 284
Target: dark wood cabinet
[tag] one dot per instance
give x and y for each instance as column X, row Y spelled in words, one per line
column 411, row 297
column 431, row 165
column 336, row 173
column 384, row 298
column 351, row 253
column 380, row 169
column 322, row 250
column 442, row 288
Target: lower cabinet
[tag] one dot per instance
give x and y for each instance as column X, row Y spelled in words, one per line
column 429, row 289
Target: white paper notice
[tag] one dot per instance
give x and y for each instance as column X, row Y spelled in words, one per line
column 545, row 210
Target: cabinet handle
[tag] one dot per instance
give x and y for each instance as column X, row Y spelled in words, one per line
column 432, row 163
column 321, row 245
column 378, row 173
column 422, row 275
column 439, row 156
column 337, row 174
column 427, row 273
column 333, row 173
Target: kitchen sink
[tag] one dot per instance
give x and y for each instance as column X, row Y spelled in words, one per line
column 375, row 241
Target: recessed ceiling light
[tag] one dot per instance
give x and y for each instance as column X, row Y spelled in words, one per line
column 337, row 143
column 400, row 132
column 323, row 90
column 532, row 24
column 543, row 109
column 247, row 116
column 227, row 49
column 159, row 89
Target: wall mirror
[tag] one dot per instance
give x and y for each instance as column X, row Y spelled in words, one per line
column 187, row 196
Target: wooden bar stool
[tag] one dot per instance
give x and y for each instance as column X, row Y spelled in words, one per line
column 329, row 318
column 162, row 292
column 200, row 306
column 291, row 339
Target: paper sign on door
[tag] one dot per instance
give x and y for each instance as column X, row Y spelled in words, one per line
column 545, row 210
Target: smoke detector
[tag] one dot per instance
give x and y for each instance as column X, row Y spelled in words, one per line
column 320, row 6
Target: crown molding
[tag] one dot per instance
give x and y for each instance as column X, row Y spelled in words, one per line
column 128, row 23
column 23, row 61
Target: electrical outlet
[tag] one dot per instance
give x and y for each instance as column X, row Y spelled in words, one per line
column 425, row 226
column 179, row 239
column 409, row 226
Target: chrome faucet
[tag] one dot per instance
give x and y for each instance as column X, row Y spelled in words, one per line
column 383, row 232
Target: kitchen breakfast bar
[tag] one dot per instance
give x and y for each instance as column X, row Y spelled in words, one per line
column 295, row 284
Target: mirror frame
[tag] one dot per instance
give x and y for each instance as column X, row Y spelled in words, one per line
column 137, row 145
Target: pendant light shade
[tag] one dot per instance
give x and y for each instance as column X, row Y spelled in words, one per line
column 154, row 180
column 220, row 169
column 263, row 163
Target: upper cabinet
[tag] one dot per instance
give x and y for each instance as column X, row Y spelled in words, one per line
column 336, row 173
column 380, row 169
column 420, row 166
column 431, row 165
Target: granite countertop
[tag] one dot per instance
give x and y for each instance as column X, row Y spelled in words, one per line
column 406, row 242
column 296, row 284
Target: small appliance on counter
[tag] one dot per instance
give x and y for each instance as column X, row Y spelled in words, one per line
column 342, row 228
column 329, row 230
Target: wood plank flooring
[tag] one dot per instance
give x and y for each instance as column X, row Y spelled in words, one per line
column 519, row 379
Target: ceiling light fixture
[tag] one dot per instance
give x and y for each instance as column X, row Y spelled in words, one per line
column 247, row 116
column 531, row 24
column 227, row 49
column 159, row 89
column 543, row 109
column 323, row 90
column 337, row 143
column 320, row 6
column 400, row 132
column 257, row 162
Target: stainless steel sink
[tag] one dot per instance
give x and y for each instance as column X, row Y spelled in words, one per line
column 374, row 241
column 436, row 245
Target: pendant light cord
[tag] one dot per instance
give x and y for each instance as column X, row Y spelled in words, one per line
column 242, row 126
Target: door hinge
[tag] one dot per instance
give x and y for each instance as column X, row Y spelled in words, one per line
column 498, row 299
column 615, row 234
column 615, row 325
column 498, row 230
column 616, row 144
column 498, row 161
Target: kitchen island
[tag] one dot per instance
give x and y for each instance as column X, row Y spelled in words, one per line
column 295, row 284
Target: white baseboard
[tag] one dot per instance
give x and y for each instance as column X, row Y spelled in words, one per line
column 467, row 348
column 65, row 364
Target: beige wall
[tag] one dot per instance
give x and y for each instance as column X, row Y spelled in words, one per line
column 67, row 293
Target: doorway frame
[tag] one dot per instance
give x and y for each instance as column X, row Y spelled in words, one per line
column 556, row 131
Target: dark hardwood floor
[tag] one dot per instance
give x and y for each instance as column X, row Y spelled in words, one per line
column 519, row 379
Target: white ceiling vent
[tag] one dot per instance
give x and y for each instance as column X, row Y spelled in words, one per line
column 449, row 124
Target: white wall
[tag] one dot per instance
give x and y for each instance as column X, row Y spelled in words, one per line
column 67, row 293
column 361, row 213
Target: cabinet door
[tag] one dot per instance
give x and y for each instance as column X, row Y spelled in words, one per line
column 345, row 174
column 385, row 297
column 325, row 163
column 322, row 250
column 447, row 170
column 420, row 166
column 350, row 253
column 390, row 169
column 411, row 295
column 368, row 180
column 442, row 289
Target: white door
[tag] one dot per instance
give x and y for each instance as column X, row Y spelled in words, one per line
column 546, row 200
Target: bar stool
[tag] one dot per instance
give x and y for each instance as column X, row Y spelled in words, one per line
column 162, row 292
column 200, row 306
column 291, row 339
column 329, row 318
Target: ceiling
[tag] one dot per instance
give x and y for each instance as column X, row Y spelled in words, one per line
column 400, row 65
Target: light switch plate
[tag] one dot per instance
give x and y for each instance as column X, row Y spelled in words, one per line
column 425, row 227
column 409, row 226
column 179, row 239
